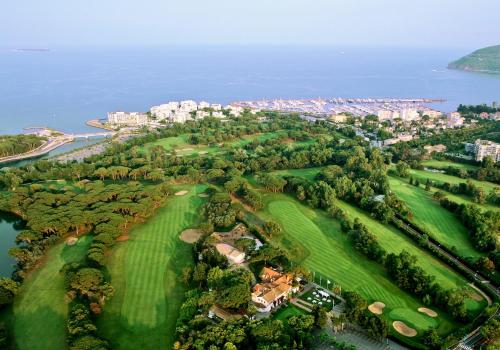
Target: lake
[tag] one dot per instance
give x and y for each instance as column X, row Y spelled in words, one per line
column 10, row 226
column 65, row 87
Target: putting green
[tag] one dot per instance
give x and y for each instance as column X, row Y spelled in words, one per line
column 145, row 271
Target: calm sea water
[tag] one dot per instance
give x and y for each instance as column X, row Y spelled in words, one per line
column 64, row 87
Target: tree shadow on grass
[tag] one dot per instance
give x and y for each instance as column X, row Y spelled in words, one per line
column 41, row 329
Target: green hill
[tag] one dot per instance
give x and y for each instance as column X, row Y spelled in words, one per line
column 485, row 60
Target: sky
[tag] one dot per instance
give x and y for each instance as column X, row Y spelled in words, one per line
column 414, row 23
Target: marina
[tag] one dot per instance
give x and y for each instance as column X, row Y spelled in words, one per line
column 358, row 107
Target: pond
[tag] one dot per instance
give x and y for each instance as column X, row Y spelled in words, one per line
column 10, row 226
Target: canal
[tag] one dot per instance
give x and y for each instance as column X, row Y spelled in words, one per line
column 10, row 226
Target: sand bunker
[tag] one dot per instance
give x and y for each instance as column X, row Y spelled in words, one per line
column 122, row 238
column 428, row 312
column 181, row 193
column 191, row 236
column 71, row 241
column 403, row 329
column 203, row 195
column 475, row 296
column 377, row 308
column 202, row 152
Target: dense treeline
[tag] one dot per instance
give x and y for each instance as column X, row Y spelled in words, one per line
column 468, row 188
column 105, row 210
column 484, row 226
column 405, row 272
column 477, row 109
column 17, row 144
column 356, row 312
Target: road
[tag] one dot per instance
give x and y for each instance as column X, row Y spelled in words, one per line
column 48, row 146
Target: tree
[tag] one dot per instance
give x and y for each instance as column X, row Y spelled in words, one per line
column 8, row 290
column 431, row 339
column 272, row 228
column 402, row 169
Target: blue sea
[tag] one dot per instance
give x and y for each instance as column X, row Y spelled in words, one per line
column 64, row 87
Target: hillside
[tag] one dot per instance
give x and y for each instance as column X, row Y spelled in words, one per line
column 486, row 60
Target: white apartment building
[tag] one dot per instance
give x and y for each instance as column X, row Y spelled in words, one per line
column 484, row 148
column 235, row 110
column 203, row 105
column 202, row 114
column 127, row 118
column 188, row 106
column 180, row 117
column 409, row 114
column 165, row 111
column 433, row 114
column 216, row 106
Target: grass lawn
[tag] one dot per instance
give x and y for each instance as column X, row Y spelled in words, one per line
column 284, row 313
column 326, row 250
column 145, row 271
column 443, row 164
column 39, row 312
column 439, row 222
column 307, row 173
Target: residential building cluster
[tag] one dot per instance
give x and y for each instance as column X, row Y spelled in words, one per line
column 174, row 112
column 484, row 148
column 180, row 112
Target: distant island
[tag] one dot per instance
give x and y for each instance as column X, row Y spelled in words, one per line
column 486, row 60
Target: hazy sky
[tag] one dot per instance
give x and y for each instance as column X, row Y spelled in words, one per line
column 453, row 23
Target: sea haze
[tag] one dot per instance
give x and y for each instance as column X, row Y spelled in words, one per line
column 64, row 87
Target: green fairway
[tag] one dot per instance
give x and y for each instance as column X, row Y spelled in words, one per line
column 180, row 145
column 439, row 222
column 443, row 164
column 327, row 251
column 307, row 173
column 40, row 310
column 145, row 271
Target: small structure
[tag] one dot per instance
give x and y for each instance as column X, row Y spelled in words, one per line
column 232, row 254
column 273, row 290
column 436, row 148
column 216, row 311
